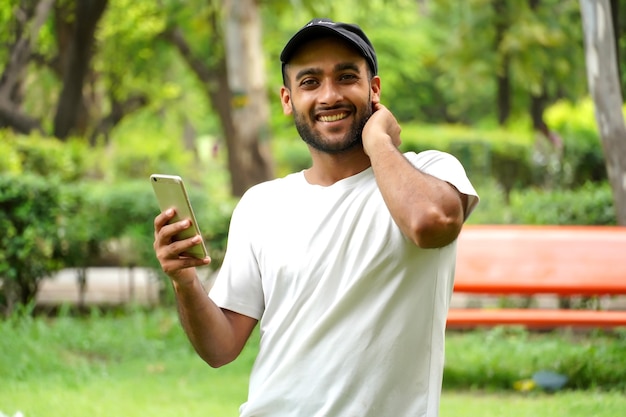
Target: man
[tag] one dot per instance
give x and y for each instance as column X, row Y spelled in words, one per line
column 348, row 265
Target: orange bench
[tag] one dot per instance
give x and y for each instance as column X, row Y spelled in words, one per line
column 563, row 261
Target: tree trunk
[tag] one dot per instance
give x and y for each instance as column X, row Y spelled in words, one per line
column 617, row 34
column 71, row 106
column 604, row 86
column 242, row 112
column 251, row 161
column 503, row 80
column 15, row 68
column 119, row 110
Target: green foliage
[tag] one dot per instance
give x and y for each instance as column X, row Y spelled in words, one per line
column 516, row 158
column 68, row 205
column 129, row 59
column 590, row 204
column 540, row 50
column 571, row 118
column 290, row 154
column 43, row 156
column 438, row 61
column 112, row 224
column 497, row 358
column 541, row 44
column 9, row 156
column 141, row 149
column 485, row 153
column 29, row 212
column 583, row 156
column 493, row 208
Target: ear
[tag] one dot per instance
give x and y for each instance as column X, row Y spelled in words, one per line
column 375, row 86
column 285, row 100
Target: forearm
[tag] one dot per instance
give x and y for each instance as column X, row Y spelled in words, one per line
column 429, row 211
column 217, row 335
column 207, row 326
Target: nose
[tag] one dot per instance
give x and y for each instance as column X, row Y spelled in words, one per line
column 329, row 93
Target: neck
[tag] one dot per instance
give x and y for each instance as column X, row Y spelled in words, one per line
column 327, row 169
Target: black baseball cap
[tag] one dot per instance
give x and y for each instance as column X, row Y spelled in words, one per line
column 319, row 27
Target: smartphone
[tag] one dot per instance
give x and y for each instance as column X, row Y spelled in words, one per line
column 170, row 192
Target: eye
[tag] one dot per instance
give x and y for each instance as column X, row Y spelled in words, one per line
column 348, row 78
column 309, row 83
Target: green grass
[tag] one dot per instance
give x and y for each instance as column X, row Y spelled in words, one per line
column 137, row 364
column 169, row 388
column 563, row 404
column 140, row 364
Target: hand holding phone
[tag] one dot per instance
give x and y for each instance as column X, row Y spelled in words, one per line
column 171, row 193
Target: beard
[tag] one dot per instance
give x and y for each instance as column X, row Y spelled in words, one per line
column 351, row 139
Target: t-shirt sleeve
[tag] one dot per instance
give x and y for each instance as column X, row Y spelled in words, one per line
column 446, row 167
column 238, row 283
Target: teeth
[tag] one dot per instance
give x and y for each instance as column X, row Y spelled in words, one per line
column 333, row 118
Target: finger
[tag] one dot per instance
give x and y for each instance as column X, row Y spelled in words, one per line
column 166, row 234
column 182, row 248
column 175, row 256
column 163, row 218
column 164, row 237
column 172, row 267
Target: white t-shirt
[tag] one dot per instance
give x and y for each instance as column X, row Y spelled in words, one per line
column 352, row 313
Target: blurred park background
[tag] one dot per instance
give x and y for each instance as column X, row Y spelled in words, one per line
column 96, row 95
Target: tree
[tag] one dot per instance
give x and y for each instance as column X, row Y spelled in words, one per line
column 76, row 65
column 618, row 8
column 234, row 82
column 59, row 37
column 521, row 56
column 250, row 107
column 603, row 80
column 503, row 71
column 24, row 30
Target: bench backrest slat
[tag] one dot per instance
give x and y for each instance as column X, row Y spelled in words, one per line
column 567, row 260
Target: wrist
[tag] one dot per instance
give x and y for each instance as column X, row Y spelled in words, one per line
column 184, row 280
column 379, row 144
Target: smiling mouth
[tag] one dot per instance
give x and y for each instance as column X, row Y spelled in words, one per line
column 333, row 118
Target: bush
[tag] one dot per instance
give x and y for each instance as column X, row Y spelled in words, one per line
column 291, row 155
column 29, row 220
column 46, row 157
column 583, row 157
column 499, row 357
column 112, row 224
column 49, row 226
column 591, row 204
column 493, row 209
column 505, row 156
column 65, row 204
column 107, row 224
column 518, row 159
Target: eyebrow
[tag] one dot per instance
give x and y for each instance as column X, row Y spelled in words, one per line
column 318, row 71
